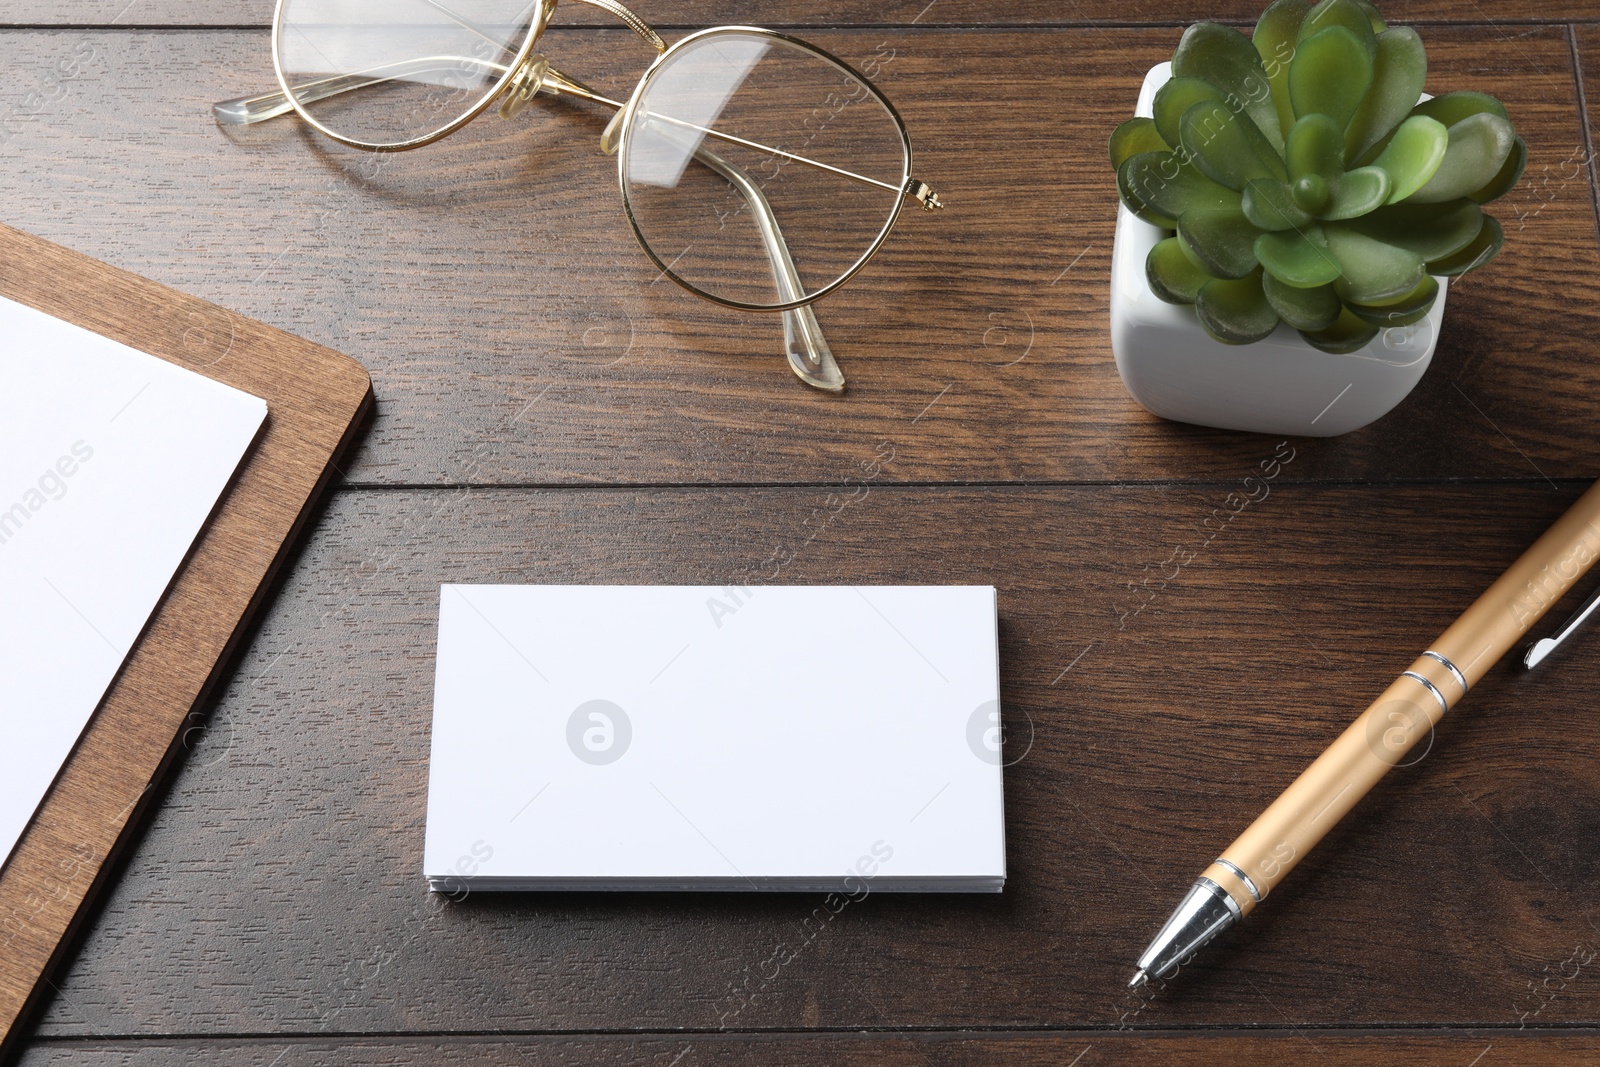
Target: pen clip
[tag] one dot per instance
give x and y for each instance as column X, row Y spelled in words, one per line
column 1540, row 649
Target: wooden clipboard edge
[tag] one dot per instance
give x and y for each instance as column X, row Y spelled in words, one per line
column 132, row 829
column 62, row 898
column 199, row 540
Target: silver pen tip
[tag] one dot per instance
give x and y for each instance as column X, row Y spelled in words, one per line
column 1139, row 978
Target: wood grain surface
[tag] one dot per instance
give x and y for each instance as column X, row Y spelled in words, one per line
column 1586, row 53
column 280, row 887
column 697, row 13
column 1272, row 1048
column 518, row 335
column 549, row 413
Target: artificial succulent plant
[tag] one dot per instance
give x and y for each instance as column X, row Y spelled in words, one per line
column 1303, row 180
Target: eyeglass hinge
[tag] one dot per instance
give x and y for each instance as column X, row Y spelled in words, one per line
column 920, row 192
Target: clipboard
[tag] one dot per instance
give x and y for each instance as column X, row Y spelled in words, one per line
column 317, row 399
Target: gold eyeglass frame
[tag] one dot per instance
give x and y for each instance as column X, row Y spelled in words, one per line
column 529, row 74
column 542, row 13
column 626, row 118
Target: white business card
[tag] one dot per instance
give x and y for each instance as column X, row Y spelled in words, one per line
column 678, row 737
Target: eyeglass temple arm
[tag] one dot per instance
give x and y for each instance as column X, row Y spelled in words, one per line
column 809, row 355
column 247, row 110
column 807, row 349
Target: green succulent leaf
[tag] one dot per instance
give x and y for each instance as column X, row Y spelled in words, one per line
column 1510, row 174
column 1222, row 239
column 1176, row 97
column 1357, row 193
column 1413, row 155
column 1371, row 271
column 1136, row 204
column 1305, row 182
column 1276, row 33
column 1330, row 74
column 1297, row 258
column 1173, row 276
column 1479, row 147
column 1483, row 248
column 1312, row 194
column 1304, row 309
column 1347, row 334
column 1412, row 307
column 1451, row 108
column 1235, row 310
column 1145, row 212
column 1167, row 187
column 1226, row 58
column 1315, row 146
column 1190, row 253
column 1431, row 231
column 1378, row 25
column 1227, row 148
column 1398, row 74
column 1133, row 137
column 1270, row 204
column 1447, row 110
column 1346, row 13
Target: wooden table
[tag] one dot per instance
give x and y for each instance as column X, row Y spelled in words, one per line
column 548, row 414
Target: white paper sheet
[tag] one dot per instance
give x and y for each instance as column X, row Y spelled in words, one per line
column 110, row 462
column 613, row 737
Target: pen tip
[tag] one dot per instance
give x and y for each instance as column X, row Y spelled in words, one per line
column 1139, row 978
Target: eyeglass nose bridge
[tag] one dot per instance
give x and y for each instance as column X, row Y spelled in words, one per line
column 524, row 85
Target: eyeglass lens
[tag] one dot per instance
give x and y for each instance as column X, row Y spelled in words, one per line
column 685, row 164
column 423, row 64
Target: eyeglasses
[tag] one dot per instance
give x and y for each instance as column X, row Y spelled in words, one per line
column 729, row 131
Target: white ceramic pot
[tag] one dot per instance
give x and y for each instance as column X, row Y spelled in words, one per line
column 1279, row 385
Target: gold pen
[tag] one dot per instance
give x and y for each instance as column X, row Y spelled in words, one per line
column 1258, row 860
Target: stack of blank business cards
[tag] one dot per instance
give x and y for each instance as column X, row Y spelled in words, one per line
column 832, row 738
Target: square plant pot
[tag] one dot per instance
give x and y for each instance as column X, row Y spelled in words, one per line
column 1279, row 385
